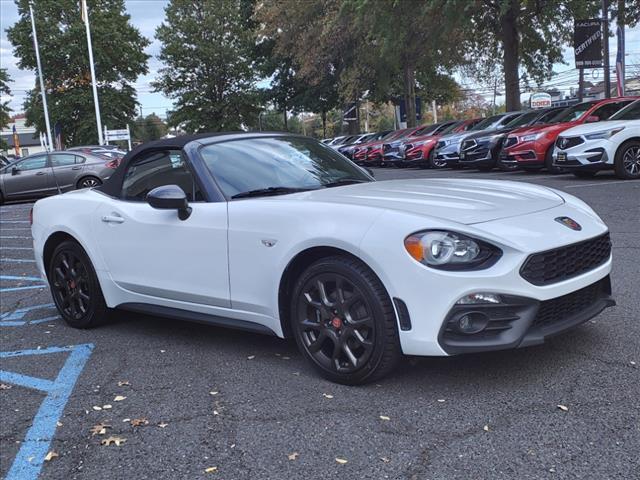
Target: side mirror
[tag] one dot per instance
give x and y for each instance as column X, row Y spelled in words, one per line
column 170, row 197
column 592, row 119
column 15, row 170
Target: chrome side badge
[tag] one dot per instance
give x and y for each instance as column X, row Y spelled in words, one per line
column 569, row 223
column 267, row 242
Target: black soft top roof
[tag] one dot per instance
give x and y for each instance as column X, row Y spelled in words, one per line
column 113, row 185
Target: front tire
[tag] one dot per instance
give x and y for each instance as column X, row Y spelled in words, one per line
column 343, row 321
column 75, row 287
column 627, row 162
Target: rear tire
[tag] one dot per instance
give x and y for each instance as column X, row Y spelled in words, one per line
column 75, row 287
column 88, row 182
column 627, row 161
column 343, row 321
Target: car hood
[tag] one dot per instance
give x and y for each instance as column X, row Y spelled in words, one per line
column 462, row 201
column 599, row 126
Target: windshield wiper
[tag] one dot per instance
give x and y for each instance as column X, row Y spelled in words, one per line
column 344, row 181
column 261, row 192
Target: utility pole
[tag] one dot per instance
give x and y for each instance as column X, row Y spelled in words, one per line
column 581, row 85
column 85, row 17
column 42, row 92
column 605, row 28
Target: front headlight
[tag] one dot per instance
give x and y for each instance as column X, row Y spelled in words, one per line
column 603, row 134
column 451, row 250
column 531, row 137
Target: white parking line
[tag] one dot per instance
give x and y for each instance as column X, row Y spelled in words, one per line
column 596, row 184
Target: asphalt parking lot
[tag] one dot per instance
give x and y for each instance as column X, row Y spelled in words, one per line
column 185, row 400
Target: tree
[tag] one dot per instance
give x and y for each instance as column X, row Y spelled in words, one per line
column 119, row 57
column 4, row 106
column 526, row 36
column 149, row 128
column 208, row 50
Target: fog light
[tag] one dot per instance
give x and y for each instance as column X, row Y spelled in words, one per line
column 479, row 297
column 472, row 322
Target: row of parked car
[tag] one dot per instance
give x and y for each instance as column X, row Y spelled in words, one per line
column 44, row 174
column 583, row 139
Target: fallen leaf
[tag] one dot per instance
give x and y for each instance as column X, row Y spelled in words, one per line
column 99, row 429
column 51, row 455
column 632, row 363
column 123, row 383
column 162, row 424
column 385, row 459
column 563, row 408
column 96, row 408
column 162, row 351
column 4, row 386
column 58, row 424
column 138, row 422
column 441, row 400
column 106, row 407
column 211, row 470
column 251, row 357
column 384, row 417
column 341, row 461
column 326, row 395
column 215, row 412
column 117, row 440
column 293, row 456
column 119, row 398
column 125, row 420
column 213, row 393
column 486, row 428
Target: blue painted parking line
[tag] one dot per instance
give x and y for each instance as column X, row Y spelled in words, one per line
column 30, row 458
column 10, row 236
column 14, row 221
column 40, row 283
column 17, row 260
column 16, row 318
column 16, row 248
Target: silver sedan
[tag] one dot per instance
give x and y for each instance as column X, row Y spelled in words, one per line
column 46, row 174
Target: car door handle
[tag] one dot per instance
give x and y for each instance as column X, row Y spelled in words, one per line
column 76, row 168
column 114, row 218
column 41, row 173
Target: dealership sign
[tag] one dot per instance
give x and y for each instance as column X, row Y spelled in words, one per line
column 587, row 43
column 540, row 100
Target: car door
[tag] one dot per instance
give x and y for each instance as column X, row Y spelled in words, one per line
column 30, row 177
column 66, row 167
column 605, row 111
column 152, row 252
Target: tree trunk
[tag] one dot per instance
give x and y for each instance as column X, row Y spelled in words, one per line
column 511, row 61
column 324, row 124
column 284, row 115
column 410, row 94
column 353, row 127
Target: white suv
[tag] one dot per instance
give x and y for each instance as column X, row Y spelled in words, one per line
column 611, row 144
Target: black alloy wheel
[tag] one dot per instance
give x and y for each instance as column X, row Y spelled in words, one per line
column 627, row 161
column 343, row 321
column 434, row 162
column 75, row 288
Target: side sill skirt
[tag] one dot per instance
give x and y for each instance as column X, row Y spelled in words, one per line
column 197, row 317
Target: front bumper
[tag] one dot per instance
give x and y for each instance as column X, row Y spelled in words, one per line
column 523, row 154
column 521, row 321
column 591, row 155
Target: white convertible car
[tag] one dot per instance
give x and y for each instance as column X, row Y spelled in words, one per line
column 279, row 234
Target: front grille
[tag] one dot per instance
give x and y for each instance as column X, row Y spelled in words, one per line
column 386, row 147
column 510, row 142
column 568, row 142
column 562, row 263
column 558, row 309
column 467, row 144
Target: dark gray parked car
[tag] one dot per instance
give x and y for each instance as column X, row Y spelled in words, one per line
column 44, row 174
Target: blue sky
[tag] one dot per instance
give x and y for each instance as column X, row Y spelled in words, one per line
column 146, row 15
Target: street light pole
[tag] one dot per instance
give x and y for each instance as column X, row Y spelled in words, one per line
column 605, row 27
column 42, row 92
column 85, row 17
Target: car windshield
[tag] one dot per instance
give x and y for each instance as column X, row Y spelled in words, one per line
column 549, row 116
column 486, row 123
column 630, row 112
column 277, row 165
column 449, row 128
column 573, row 113
column 426, row 130
column 522, row 120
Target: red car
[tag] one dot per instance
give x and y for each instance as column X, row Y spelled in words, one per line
column 417, row 151
column 371, row 153
column 531, row 148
